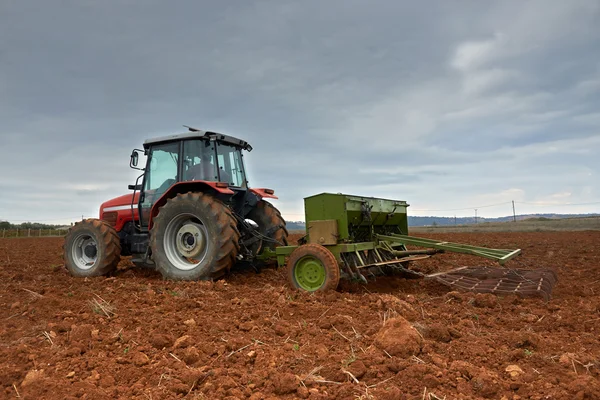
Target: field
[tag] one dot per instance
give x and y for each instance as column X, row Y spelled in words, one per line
column 136, row 336
column 526, row 225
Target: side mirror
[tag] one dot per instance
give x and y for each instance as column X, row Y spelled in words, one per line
column 134, row 159
column 133, row 162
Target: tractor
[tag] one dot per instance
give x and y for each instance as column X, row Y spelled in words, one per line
column 191, row 214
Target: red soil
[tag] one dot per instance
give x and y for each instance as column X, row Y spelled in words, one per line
column 251, row 336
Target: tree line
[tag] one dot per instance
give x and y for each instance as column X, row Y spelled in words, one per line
column 27, row 225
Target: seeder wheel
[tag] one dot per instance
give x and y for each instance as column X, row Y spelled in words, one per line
column 312, row 267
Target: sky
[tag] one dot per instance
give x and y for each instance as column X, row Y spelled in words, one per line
column 451, row 106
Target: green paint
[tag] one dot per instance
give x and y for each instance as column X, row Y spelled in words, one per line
column 385, row 225
column 310, row 273
column 354, row 224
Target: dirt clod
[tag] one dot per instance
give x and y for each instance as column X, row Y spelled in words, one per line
column 183, row 341
column 285, row 383
column 398, row 338
column 33, row 376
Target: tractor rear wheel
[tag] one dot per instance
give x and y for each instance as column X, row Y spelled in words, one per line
column 270, row 224
column 194, row 236
column 312, row 267
column 91, row 248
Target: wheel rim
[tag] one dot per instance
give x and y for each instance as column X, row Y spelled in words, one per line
column 84, row 251
column 309, row 273
column 186, row 242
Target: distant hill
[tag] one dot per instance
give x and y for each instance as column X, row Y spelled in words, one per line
column 448, row 221
column 295, row 225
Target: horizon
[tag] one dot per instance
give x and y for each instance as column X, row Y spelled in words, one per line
column 302, row 221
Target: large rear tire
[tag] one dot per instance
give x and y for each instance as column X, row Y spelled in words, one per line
column 270, row 224
column 91, row 248
column 312, row 267
column 194, row 236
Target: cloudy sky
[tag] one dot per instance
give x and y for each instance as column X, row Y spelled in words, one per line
column 450, row 105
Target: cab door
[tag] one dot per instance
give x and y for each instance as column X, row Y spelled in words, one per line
column 163, row 170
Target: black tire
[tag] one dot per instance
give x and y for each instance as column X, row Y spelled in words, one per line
column 270, row 223
column 91, row 248
column 313, row 267
column 194, row 236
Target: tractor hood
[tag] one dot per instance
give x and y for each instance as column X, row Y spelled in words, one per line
column 120, row 203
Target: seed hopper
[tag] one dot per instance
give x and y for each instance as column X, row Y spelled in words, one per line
column 360, row 238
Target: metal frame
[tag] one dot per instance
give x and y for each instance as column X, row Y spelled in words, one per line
column 389, row 242
column 499, row 255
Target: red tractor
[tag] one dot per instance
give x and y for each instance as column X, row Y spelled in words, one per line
column 191, row 214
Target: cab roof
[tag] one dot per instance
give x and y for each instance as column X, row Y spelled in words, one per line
column 202, row 135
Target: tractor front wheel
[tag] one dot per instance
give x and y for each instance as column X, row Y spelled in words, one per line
column 91, row 248
column 312, row 267
column 194, row 236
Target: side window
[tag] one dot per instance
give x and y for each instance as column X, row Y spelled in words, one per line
column 199, row 161
column 230, row 165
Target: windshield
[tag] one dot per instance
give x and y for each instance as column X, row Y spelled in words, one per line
column 199, row 161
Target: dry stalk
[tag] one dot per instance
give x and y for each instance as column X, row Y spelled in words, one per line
column 99, row 305
column 379, row 383
column 18, row 395
column 435, row 397
column 238, row 350
column 33, row 294
column 160, row 379
column 586, row 366
column 192, row 388
column 335, row 329
column 47, row 336
column 324, row 312
column 326, row 381
column 389, row 314
column 350, row 375
column 417, row 360
column 311, row 375
column 365, row 396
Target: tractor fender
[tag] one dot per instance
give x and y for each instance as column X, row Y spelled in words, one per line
column 263, row 193
column 223, row 193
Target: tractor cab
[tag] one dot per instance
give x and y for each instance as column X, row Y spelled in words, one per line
column 208, row 158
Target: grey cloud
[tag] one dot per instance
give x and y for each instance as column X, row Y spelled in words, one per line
column 436, row 103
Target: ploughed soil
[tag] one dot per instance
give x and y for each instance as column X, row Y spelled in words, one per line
column 136, row 336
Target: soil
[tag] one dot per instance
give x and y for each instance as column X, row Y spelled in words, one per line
column 136, row 336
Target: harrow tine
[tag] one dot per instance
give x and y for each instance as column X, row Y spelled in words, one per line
column 500, row 281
